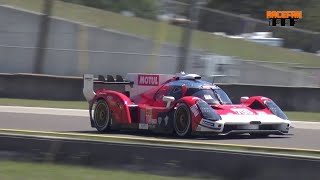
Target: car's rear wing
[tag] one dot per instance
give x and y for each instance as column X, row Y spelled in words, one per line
column 135, row 83
column 89, row 81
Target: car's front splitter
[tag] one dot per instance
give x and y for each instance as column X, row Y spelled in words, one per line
column 223, row 127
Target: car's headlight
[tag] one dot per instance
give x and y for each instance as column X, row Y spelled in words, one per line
column 207, row 111
column 274, row 108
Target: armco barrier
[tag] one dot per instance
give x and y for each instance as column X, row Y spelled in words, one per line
column 159, row 159
column 70, row 88
column 47, row 87
column 288, row 98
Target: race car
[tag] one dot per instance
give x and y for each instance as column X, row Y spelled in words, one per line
column 180, row 103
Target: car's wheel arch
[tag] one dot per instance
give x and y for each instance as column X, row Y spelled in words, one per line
column 117, row 102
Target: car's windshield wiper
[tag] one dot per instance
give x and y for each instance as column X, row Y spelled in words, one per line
column 218, row 97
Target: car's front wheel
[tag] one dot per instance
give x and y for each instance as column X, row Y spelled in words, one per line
column 102, row 116
column 182, row 120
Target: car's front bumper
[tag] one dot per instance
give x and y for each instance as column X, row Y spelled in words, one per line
column 268, row 126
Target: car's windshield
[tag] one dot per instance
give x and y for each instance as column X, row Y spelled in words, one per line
column 211, row 96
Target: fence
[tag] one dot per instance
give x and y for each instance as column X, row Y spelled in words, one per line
column 73, row 48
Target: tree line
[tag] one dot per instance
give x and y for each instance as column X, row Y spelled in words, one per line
column 213, row 22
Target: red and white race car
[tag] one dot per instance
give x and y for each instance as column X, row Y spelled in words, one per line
column 181, row 104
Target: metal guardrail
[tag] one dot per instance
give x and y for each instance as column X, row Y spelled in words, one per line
column 70, row 88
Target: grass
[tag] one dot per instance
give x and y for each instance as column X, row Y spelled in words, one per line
column 11, row 170
column 298, row 116
column 303, row 116
column 167, row 33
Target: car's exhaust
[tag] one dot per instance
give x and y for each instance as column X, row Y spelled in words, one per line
column 88, row 91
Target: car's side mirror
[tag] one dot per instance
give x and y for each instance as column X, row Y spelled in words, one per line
column 244, row 99
column 168, row 99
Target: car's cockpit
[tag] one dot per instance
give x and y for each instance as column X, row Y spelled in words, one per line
column 208, row 92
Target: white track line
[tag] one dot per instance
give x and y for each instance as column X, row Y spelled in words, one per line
column 47, row 111
column 305, row 125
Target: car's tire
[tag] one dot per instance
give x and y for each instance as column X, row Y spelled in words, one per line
column 102, row 116
column 259, row 135
column 182, row 121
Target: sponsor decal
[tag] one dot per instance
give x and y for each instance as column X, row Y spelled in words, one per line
column 242, row 111
column 109, row 97
column 208, row 86
column 261, row 112
column 208, row 96
column 143, row 126
column 148, row 80
column 160, row 119
column 207, row 123
column 148, row 115
column 152, row 121
column 194, row 110
column 166, row 120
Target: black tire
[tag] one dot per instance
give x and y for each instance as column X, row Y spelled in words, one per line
column 259, row 135
column 102, row 116
column 182, row 121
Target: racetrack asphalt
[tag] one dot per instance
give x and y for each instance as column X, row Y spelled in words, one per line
column 79, row 123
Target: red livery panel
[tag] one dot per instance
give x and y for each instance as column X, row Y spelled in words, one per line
column 181, row 104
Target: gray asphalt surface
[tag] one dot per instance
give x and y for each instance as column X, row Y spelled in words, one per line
column 300, row 138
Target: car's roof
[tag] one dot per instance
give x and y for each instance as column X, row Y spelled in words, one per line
column 192, row 83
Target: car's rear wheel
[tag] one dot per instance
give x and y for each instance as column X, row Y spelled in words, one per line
column 182, row 120
column 102, row 116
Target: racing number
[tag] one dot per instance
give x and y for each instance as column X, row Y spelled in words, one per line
column 242, row 111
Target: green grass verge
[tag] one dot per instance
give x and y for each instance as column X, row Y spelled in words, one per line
column 298, row 116
column 169, row 33
column 303, row 116
column 11, row 170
